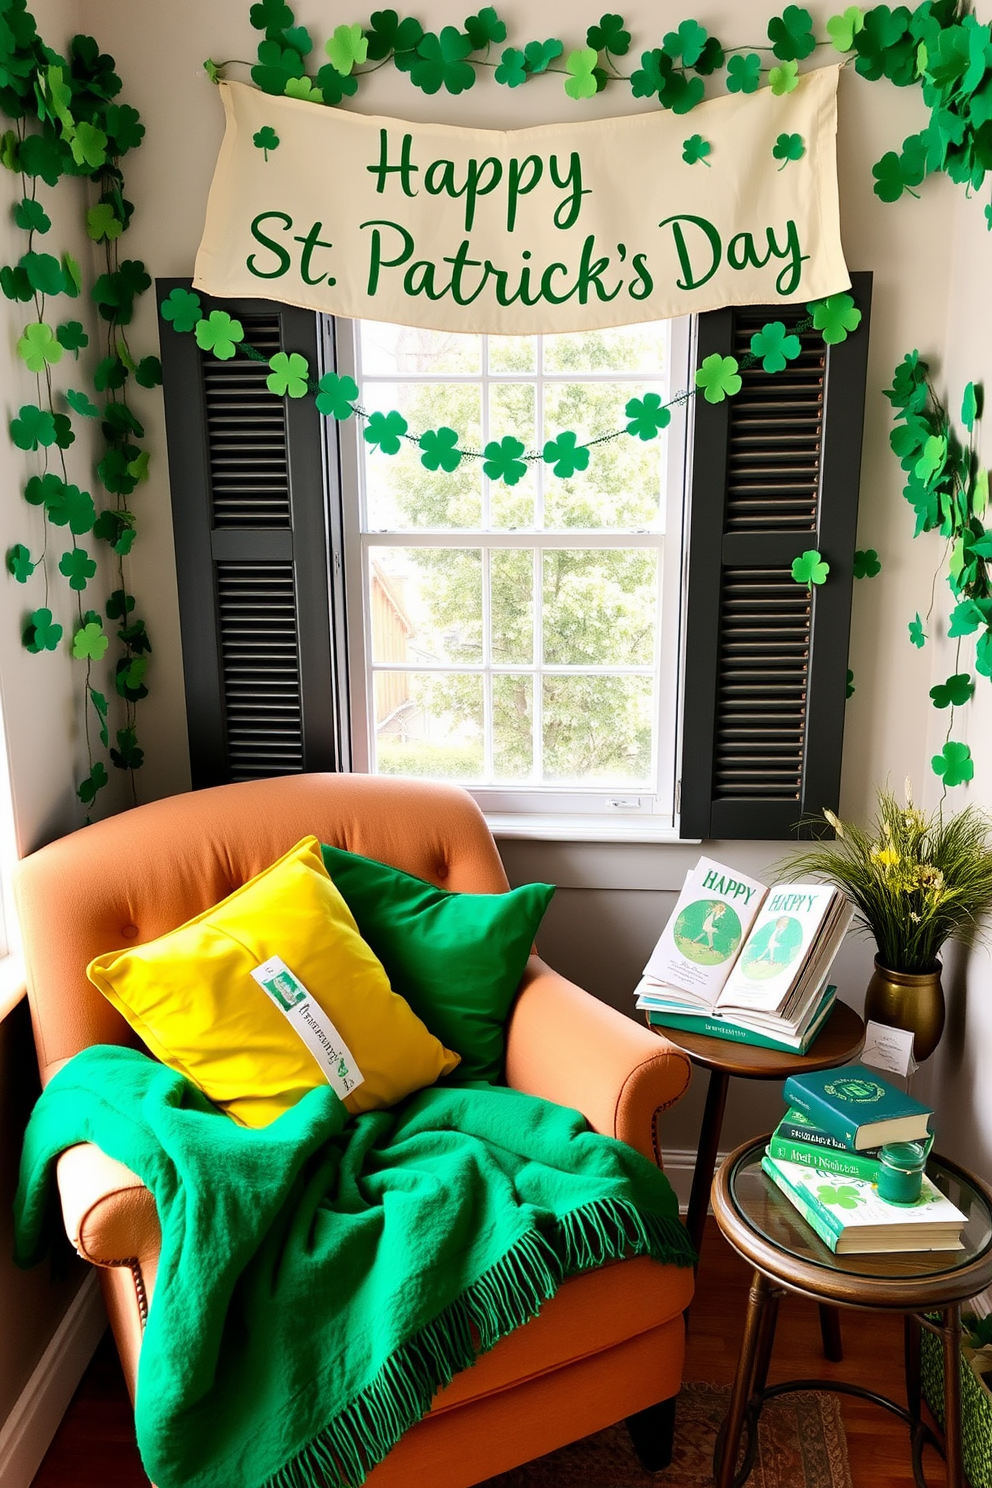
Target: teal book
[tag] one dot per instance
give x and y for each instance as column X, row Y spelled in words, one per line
column 824, row 1159
column 795, row 1127
column 737, row 1033
column 858, row 1107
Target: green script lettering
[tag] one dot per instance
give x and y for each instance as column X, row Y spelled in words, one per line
column 459, row 263
column 789, row 277
column 310, row 242
column 283, row 257
column 715, row 246
column 590, row 274
column 567, row 211
column 376, row 260
column 384, row 169
column 645, row 284
column 518, row 185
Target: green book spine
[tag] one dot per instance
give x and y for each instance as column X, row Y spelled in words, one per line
column 798, row 1128
column 814, row 1217
column 720, row 1028
column 849, row 1164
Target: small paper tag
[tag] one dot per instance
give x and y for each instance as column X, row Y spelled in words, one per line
column 889, row 1049
column 311, row 1023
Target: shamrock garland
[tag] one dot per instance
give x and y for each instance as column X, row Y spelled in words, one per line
column 336, row 396
column 948, row 491
column 936, row 46
column 68, row 122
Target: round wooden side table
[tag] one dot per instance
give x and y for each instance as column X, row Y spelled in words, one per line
column 764, row 1228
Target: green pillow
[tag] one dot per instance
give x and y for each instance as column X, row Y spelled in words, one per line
column 456, row 958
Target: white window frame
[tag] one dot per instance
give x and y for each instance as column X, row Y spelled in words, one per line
column 585, row 813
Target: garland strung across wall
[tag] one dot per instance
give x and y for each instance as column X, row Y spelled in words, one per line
column 77, row 129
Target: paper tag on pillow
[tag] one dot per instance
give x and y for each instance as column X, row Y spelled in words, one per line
column 336, row 1061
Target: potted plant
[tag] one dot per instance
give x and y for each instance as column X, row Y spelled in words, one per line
column 916, row 880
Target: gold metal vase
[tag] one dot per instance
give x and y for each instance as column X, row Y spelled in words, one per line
column 913, row 1000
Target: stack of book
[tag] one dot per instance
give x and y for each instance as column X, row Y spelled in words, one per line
column 740, row 961
column 824, row 1156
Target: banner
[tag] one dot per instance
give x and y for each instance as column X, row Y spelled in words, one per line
column 565, row 227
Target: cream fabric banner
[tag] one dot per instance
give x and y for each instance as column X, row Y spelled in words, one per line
column 566, row 227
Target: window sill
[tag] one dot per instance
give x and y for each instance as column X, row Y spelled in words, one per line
column 12, row 988
column 583, row 829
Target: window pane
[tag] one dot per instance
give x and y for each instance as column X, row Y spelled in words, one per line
column 400, row 491
column 513, row 411
column 624, row 349
column 513, row 353
column 600, row 606
column 391, row 350
column 513, row 727
column 429, row 724
column 426, row 605
column 512, row 606
column 597, row 730
column 622, row 486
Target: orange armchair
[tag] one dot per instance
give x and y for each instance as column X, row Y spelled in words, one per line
column 610, row 1344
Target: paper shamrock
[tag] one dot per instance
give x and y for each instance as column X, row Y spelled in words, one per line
column 788, row 147
column 866, row 563
column 647, row 415
column 484, row 28
column 33, row 427
column 306, row 89
column 980, row 493
column 842, row 29
column 20, row 563
column 953, row 764
column 512, row 69
column 791, row 34
column 277, row 65
column 44, row 273
column 336, row 396
column 983, row 653
column 971, row 406
column 851, row 689
column 775, row 346
column 541, row 54
column 289, row 376
column 127, row 755
column 31, row 216
column 386, row 431
column 932, row 460
column 440, row 450
column 39, row 347
column 610, row 36
column 271, row 16
column 503, row 461
column 967, row 615
column 835, row 317
column 688, row 42
column 566, row 455
column 581, row 67
column 219, row 334
column 265, row 140
column 953, row 693
column 784, row 78
column 70, row 507
column 810, row 568
column 718, row 377
column 81, row 403
column 387, row 33
column 73, row 286
column 72, row 336
column 103, row 223
column 89, row 146
column 182, row 309
column 695, row 148
column 95, row 781
column 916, row 632
column 988, row 216
column 78, row 567
column 89, row 643
column 347, row 48
column 100, row 706
column 744, row 73
column 129, row 678
column 441, row 62
column 41, row 632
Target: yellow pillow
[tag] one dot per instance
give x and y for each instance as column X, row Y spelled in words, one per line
column 198, row 998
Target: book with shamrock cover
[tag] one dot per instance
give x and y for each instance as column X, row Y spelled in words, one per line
column 698, row 947
column 717, row 1025
column 858, row 1107
column 851, row 1219
column 797, row 1140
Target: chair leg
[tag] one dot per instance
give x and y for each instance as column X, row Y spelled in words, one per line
column 652, row 1434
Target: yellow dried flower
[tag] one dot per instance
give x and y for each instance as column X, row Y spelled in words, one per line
column 886, row 855
column 834, row 821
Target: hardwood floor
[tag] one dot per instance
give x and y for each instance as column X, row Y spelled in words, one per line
column 94, row 1447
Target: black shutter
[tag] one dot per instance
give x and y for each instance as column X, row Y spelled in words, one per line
column 775, row 472
column 256, row 519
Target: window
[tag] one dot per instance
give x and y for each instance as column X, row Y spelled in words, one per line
column 521, row 638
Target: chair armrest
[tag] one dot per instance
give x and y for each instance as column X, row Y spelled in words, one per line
column 109, row 1214
column 567, row 1046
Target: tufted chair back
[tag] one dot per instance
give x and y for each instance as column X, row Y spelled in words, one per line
column 132, row 877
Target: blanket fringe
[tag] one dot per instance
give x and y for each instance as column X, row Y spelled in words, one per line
column 509, row 1294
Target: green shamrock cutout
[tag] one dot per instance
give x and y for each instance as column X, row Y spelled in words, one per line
column 810, row 568
column 896, row 173
column 784, row 78
column 687, row 42
column 219, row 334
column 119, row 605
column 44, row 273
column 72, row 337
column 89, row 146
column 78, row 567
column 512, row 70
column 387, row 33
column 39, row 347
column 695, row 148
column 70, row 507
column 744, row 73
column 866, row 563
column 95, row 781
column 503, row 461
column 265, row 140
column 541, row 54
column 844, row 1195
column 440, row 450
column 967, row 616
column 485, row 28
column 101, row 706
column 983, row 654
column 31, row 216
column 851, row 689
column 277, row 65
column 73, row 286
column 971, row 406
column 305, row 88
column 289, row 376
column 20, row 563
column 581, row 68
column 842, row 29
column 566, row 455
column 718, row 377
column 333, row 87
column 931, row 462
column 386, row 431
column 791, row 34
column 916, row 632
column 63, row 430
column 980, row 493
column 775, row 346
column 654, row 75
column 41, row 632
column 14, row 284
column 103, row 223
column 183, row 309
column 988, row 216
column 954, row 764
column 441, row 62
column 835, row 317
column 33, row 427
column 89, row 643
column 336, row 396
column 648, row 416
column 610, row 36
column 127, row 755
column 148, row 373
column 953, row 693
column 788, row 147
column 348, row 48
column 81, row 403
column 271, row 15
column 129, row 678
column 41, row 489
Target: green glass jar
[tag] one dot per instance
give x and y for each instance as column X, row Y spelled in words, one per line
column 900, row 1172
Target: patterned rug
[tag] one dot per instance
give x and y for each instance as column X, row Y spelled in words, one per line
column 801, row 1445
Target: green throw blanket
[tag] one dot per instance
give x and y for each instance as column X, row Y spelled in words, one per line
column 322, row 1277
